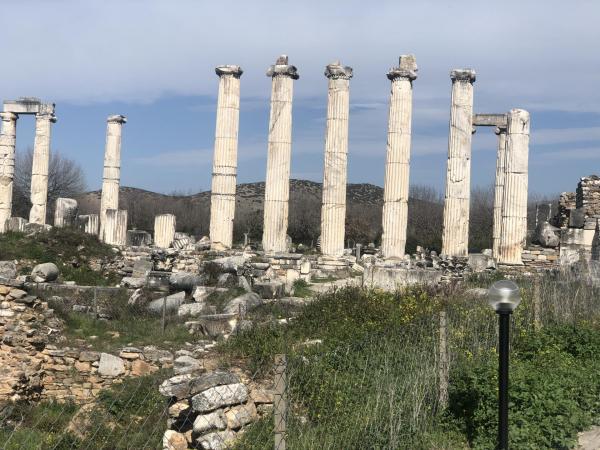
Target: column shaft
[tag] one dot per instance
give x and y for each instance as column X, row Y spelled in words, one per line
column 498, row 191
column 397, row 167
column 514, row 198
column 8, row 136
column 164, row 230
column 455, row 233
column 222, row 199
column 333, row 211
column 277, row 184
column 111, row 177
column 40, row 167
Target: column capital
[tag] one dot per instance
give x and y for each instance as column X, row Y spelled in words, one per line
column 463, row 75
column 8, row 116
column 117, row 118
column 233, row 70
column 335, row 70
column 46, row 116
column 281, row 68
column 501, row 129
column 518, row 121
column 407, row 68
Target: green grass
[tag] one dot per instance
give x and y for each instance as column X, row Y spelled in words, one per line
column 302, row 289
column 220, row 299
column 68, row 248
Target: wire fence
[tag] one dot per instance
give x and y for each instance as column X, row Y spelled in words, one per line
column 331, row 376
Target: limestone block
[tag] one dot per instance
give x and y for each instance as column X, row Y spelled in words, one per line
column 239, row 416
column 392, row 278
column 110, row 365
column 216, row 441
column 220, row 396
column 172, row 440
column 210, row 421
column 183, row 386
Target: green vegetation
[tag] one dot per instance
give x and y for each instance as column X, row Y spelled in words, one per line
column 302, row 289
column 70, row 249
column 126, row 415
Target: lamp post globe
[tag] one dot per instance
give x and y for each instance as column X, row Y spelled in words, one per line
column 504, row 296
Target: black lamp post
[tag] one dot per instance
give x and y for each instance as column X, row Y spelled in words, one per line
column 503, row 297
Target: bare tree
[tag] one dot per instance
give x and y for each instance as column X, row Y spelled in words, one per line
column 65, row 179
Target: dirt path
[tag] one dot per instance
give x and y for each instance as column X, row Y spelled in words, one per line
column 589, row 440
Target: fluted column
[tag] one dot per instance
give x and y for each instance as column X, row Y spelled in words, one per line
column 164, row 230
column 333, row 211
column 277, row 185
column 115, row 227
column 8, row 136
column 514, row 198
column 111, row 177
column 40, row 164
column 397, row 166
column 222, row 198
column 498, row 191
column 455, row 233
column 65, row 212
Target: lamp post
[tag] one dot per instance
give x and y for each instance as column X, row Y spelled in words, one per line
column 503, row 297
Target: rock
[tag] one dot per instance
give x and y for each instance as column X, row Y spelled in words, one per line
column 16, row 294
column 137, row 238
column 172, row 440
column 133, row 283
column 110, row 365
column 186, row 364
column 140, row 368
column 176, row 409
column 137, row 297
column 8, row 271
column 269, row 289
column 16, row 224
column 577, row 218
column 547, row 235
column 31, row 229
column 476, row 293
column 203, row 244
column 201, row 293
column 182, row 386
column 191, row 309
column 241, row 415
column 208, row 422
column 173, row 303
column 141, row 267
column 231, row 264
column 87, row 356
column 244, row 302
column 227, row 280
column 480, row 262
column 185, row 281
column 219, row 396
column 216, row 441
column 151, row 353
column 244, row 284
column 45, row 272
column 261, row 396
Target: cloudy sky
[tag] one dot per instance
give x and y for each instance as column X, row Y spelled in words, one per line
column 153, row 61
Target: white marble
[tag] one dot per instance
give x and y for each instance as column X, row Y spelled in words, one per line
column 111, row 177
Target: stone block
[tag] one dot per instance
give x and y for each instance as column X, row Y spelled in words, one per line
column 220, row 396
column 110, row 365
column 392, row 278
column 577, row 218
column 209, row 422
column 239, row 416
column 182, row 386
column 217, row 440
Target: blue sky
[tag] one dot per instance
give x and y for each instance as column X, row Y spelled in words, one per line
column 153, row 61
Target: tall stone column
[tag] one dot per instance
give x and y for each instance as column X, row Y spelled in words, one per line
column 455, row 233
column 277, row 185
column 333, row 211
column 8, row 136
column 164, row 230
column 222, row 198
column 397, row 167
column 514, row 197
column 111, row 177
column 40, row 164
column 498, row 191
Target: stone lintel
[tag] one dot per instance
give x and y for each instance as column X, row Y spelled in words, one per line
column 463, row 75
column 282, row 68
column 28, row 105
column 335, row 70
column 407, row 68
column 116, row 118
column 234, row 70
column 490, row 120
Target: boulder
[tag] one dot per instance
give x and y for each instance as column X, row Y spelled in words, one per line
column 547, row 235
column 239, row 416
column 185, row 281
column 219, row 396
column 269, row 289
column 209, row 422
column 203, row 244
column 110, row 365
column 217, row 440
column 182, row 386
column 244, row 302
column 201, row 293
column 186, row 364
column 231, row 264
column 45, row 272
column 172, row 440
column 172, row 304
column 8, row 271
column 141, row 267
column 133, row 283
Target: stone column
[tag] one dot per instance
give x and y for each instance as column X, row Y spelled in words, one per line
column 65, row 212
column 333, row 211
column 514, row 198
column 111, row 177
column 90, row 223
column 498, row 191
column 115, row 227
column 8, row 137
column 397, row 167
column 40, row 164
column 164, row 230
column 222, row 198
column 277, row 185
column 455, row 233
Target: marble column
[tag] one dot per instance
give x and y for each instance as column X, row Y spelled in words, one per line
column 111, row 177
column 277, row 185
column 333, row 211
column 397, row 167
column 164, row 230
column 498, row 191
column 65, row 212
column 455, row 232
column 90, row 223
column 222, row 198
column 8, row 136
column 40, row 164
column 115, row 227
column 514, row 197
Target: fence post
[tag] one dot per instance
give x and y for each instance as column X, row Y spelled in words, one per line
column 95, row 302
column 537, row 321
column 280, row 402
column 444, row 365
column 164, row 314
